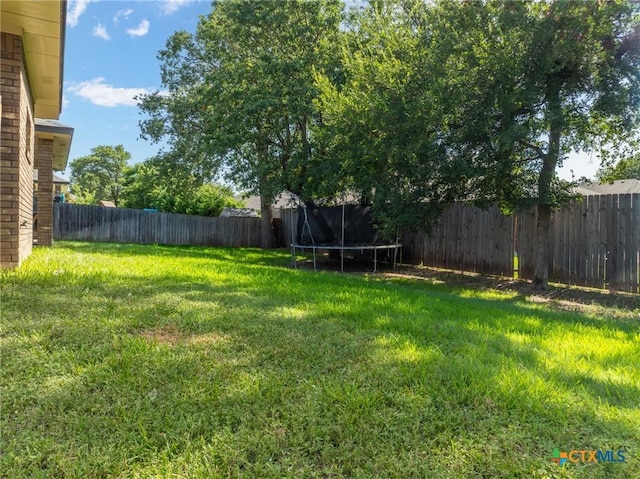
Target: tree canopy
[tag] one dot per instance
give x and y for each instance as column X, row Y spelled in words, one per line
column 546, row 78
column 409, row 104
column 239, row 92
column 156, row 184
column 100, row 175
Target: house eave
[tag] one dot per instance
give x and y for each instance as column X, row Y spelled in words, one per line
column 61, row 134
column 42, row 26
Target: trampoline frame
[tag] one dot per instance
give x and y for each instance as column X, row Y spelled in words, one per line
column 342, row 248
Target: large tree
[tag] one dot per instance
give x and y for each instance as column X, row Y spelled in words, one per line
column 238, row 94
column 100, row 175
column 547, row 78
column 482, row 101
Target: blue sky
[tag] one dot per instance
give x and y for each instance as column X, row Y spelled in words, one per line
column 111, row 56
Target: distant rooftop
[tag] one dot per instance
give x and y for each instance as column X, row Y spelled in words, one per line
column 285, row 200
column 56, row 178
column 290, row 200
column 618, row 187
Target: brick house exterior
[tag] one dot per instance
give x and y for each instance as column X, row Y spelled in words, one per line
column 16, row 163
column 53, row 140
column 31, row 63
column 44, row 208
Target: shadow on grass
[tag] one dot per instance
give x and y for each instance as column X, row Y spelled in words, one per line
column 557, row 293
column 297, row 371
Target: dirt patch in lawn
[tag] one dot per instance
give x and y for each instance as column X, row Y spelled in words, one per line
column 560, row 297
column 170, row 335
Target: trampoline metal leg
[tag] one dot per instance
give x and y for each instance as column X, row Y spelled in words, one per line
column 375, row 260
column 314, row 259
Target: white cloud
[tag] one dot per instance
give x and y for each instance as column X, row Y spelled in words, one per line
column 75, row 8
column 100, row 31
column 102, row 94
column 170, row 6
column 124, row 13
column 141, row 30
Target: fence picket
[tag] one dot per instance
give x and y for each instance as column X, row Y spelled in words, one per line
column 634, row 249
column 624, row 245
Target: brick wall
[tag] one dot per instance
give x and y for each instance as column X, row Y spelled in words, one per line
column 44, row 214
column 16, row 155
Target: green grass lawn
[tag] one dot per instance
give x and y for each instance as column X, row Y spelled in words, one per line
column 149, row 361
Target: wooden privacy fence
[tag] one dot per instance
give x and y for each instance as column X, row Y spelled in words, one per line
column 467, row 239
column 594, row 242
column 123, row 225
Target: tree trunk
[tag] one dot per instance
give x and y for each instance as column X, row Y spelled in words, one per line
column 545, row 180
column 541, row 275
column 267, row 234
column 267, row 239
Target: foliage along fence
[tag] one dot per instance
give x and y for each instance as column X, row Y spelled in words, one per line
column 594, row 242
column 123, row 225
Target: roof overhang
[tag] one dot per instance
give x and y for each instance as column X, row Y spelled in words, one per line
column 42, row 25
column 61, row 135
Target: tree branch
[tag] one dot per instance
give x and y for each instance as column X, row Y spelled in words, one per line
column 535, row 148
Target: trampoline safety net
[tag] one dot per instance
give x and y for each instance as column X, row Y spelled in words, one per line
column 323, row 225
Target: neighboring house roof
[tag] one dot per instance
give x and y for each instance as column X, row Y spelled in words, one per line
column 61, row 135
column 291, row 200
column 617, row 187
column 61, row 181
column 42, row 26
column 57, row 180
column 238, row 213
column 285, row 200
column 107, row 203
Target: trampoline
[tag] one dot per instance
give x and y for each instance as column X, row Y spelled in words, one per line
column 345, row 229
